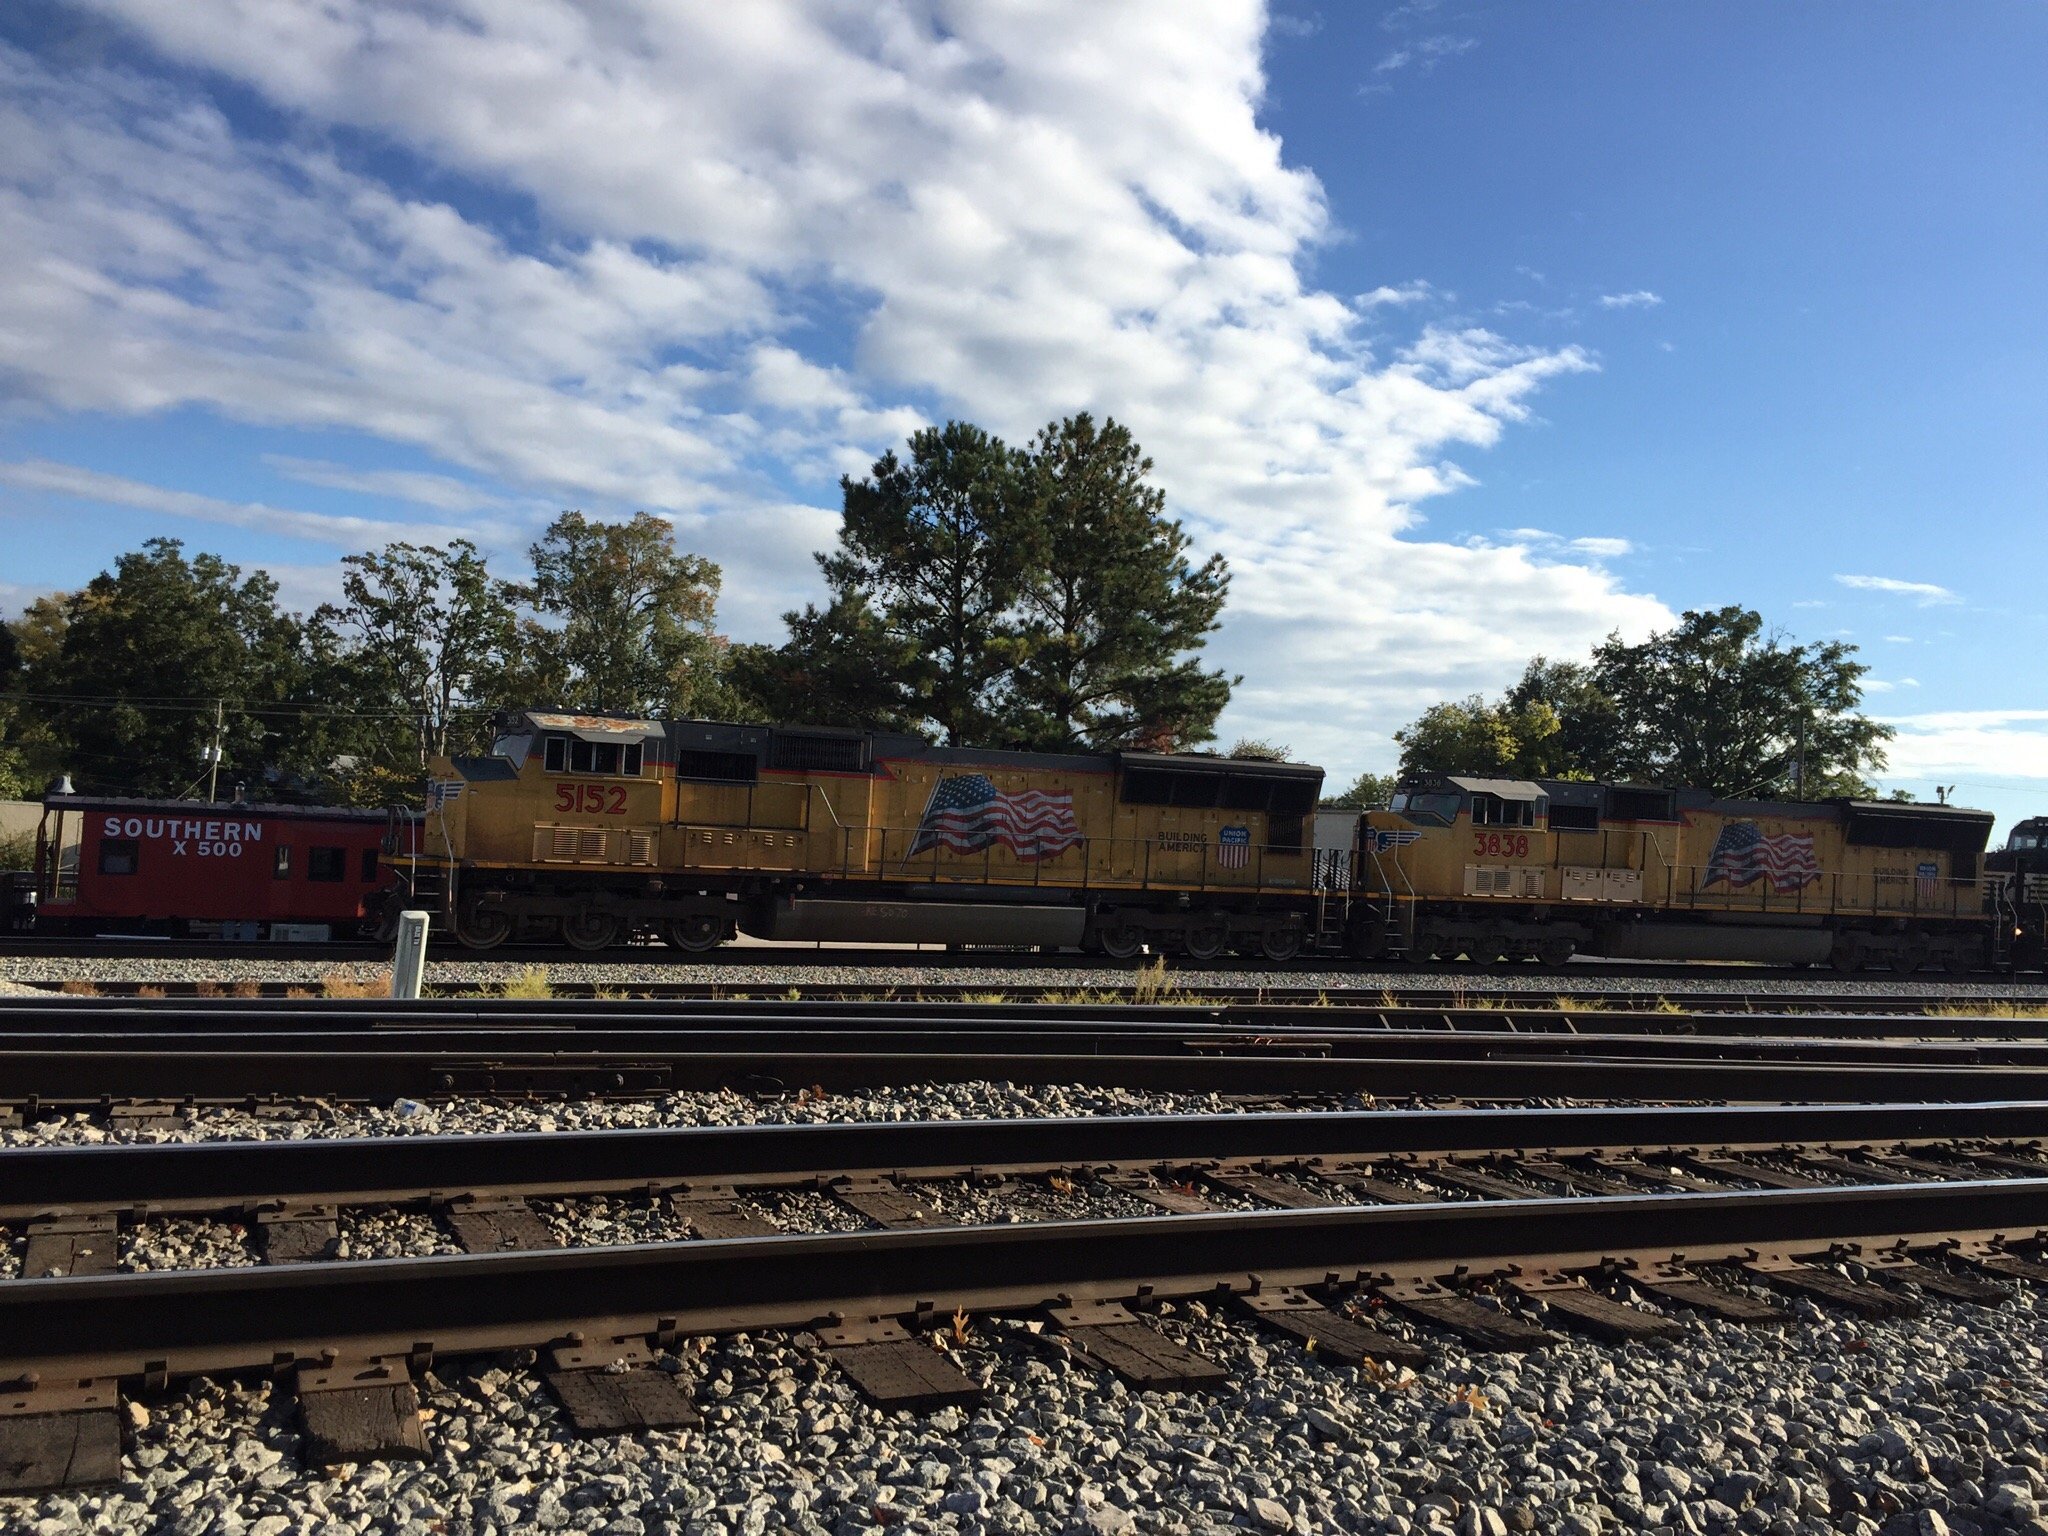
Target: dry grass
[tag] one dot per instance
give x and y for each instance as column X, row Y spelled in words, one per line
column 2002, row 1008
column 151, row 992
column 1566, row 1003
column 246, row 989
column 340, row 983
column 79, row 987
column 209, row 989
column 530, row 985
column 297, row 994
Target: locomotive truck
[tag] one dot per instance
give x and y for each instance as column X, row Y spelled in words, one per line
column 588, row 829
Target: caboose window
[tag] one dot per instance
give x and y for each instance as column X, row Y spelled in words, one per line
column 281, row 866
column 369, row 864
column 557, row 754
column 119, row 855
column 326, row 864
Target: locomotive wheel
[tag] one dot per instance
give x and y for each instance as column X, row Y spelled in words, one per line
column 1910, row 956
column 694, row 932
column 590, row 928
column 1847, row 955
column 1208, row 939
column 1280, row 945
column 1556, row 951
column 1121, row 943
column 480, row 927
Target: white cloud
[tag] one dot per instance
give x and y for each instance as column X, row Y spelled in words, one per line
column 348, row 533
column 1425, row 53
column 1899, row 639
column 1406, row 293
column 1985, row 743
column 1591, row 548
column 1023, row 214
column 443, row 492
column 1641, row 298
column 1925, row 593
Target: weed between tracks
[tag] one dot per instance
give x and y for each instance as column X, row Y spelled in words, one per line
column 1990, row 1010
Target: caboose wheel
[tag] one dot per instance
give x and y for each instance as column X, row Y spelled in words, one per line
column 590, row 928
column 480, row 927
column 1207, row 939
column 694, row 932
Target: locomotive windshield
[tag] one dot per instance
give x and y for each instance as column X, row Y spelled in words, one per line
column 1442, row 809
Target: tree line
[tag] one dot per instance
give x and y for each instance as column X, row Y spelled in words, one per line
column 980, row 594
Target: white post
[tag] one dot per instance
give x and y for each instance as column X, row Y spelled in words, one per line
column 409, row 964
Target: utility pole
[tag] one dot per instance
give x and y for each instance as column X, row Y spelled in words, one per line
column 1799, row 763
column 213, row 753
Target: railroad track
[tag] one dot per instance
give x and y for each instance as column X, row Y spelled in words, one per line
column 1492, row 1228
column 146, row 1064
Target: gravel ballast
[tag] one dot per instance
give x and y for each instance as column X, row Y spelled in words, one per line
column 803, row 970
column 1926, row 1425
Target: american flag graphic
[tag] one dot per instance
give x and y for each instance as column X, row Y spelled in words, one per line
column 1742, row 853
column 1927, row 876
column 967, row 813
column 1234, row 847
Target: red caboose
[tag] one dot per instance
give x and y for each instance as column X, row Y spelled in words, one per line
column 185, row 867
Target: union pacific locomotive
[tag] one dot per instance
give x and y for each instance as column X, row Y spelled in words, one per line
column 588, row 829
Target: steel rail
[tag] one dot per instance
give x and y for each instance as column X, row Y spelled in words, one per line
column 199, row 1017
column 36, row 1078
column 183, row 1177
column 1052, row 1037
column 163, row 1324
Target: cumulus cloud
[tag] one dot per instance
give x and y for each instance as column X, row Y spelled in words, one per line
column 2002, row 743
column 758, row 244
column 1640, row 298
column 1925, row 593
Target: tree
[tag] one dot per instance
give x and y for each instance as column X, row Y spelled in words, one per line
column 1717, row 704
column 840, row 666
column 632, row 618
column 1111, row 603
column 424, row 635
column 1368, row 792
column 937, row 549
column 1588, row 727
column 147, row 652
column 1471, row 736
column 31, row 754
column 1252, row 749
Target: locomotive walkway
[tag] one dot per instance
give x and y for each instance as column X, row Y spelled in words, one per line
column 1489, row 1227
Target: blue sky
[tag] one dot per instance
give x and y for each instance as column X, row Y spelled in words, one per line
column 1465, row 330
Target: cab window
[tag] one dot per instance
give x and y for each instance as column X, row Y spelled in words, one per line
column 1493, row 811
column 1442, row 809
column 2022, row 841
column 608, row 758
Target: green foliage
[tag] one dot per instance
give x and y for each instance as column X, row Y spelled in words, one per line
column 938, row 548
column 18, row 851
column 627, row 619
column 1251, row 749
column 991, row 597
column 1717, row 704
column 1111, row 603
column 1472, row 736
column 142, row 653
column 1368, row 792
column 420, row 645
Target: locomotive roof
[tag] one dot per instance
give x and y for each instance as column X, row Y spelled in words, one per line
column 217, row 808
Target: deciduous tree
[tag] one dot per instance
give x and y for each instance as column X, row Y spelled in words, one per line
column 628, row 618
column 1718, row 703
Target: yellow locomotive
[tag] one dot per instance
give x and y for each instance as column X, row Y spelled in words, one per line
column 1499, row 869
column 591, row 829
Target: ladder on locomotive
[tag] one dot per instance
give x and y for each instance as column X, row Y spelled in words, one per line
column 1395, row 937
